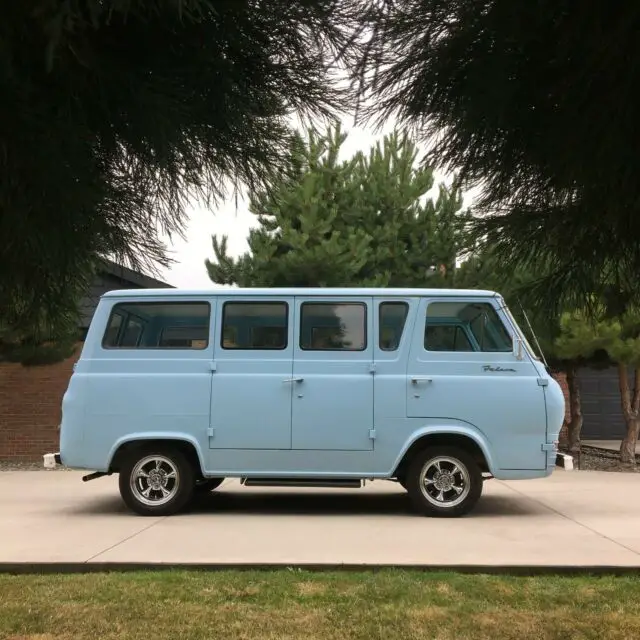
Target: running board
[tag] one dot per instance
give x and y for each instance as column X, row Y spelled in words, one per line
column 341, row 483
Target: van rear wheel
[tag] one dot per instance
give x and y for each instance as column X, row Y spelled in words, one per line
column 444, row 482
column 156, row 481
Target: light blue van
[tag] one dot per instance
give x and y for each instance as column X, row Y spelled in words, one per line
column 435, row 389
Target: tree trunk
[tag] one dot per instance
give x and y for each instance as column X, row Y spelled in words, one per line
column 574, row 426
column 630, row 411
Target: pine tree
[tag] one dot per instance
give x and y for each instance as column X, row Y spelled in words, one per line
column 115, row 115
column 521, row 99
column 362, row 221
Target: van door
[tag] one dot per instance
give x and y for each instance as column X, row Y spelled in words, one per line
column 333, row 374
column 462, row 368
column 393, row 324
column 252, row 377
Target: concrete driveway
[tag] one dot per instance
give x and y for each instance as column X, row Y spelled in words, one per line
column 578, row 518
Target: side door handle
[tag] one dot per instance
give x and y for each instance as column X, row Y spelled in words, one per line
column 421, row 380
column 290, row 380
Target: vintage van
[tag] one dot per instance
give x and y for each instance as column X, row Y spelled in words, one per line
column 437, row 390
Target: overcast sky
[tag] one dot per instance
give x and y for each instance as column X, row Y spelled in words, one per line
column 189, row 269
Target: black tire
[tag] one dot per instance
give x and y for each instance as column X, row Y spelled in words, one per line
column 443, row 502
column 180, row 485
column 204, row 485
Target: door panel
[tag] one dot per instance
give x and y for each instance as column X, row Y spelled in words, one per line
column 490, row 390
column 333, row 393
column 251, row 383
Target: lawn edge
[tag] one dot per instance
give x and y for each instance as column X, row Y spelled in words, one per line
column 50, row 568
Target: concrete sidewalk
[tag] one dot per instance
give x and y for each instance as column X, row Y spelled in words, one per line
column 608, row 445
column 575, row 518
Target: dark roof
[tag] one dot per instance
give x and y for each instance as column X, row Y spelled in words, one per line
column 110, row 276
column 134, row 277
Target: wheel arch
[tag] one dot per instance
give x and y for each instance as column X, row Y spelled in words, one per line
column 465, row 439
column 184, row 443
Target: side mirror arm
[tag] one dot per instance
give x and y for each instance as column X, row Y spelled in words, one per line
column 518, row 348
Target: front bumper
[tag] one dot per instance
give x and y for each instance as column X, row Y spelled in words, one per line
column 52, row 460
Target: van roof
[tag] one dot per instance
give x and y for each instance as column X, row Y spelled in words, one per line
column 298, row 291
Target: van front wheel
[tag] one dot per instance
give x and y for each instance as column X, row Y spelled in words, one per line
column 156, row 482
column 444, row 482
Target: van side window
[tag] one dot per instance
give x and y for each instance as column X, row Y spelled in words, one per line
column 188, row 337
column 255, row 325
column 391, row 319
column 465, row 326
column 158, row 325
column 326, row 326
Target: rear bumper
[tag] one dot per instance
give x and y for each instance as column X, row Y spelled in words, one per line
column 52, row 460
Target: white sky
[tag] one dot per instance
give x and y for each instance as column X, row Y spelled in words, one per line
column 189, row 270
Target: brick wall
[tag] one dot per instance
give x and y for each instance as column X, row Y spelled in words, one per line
column 30, row 399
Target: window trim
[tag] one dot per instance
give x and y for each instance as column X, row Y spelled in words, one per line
column 404, row 323
column 254, row 303
column 116, row 309
column 342, row 303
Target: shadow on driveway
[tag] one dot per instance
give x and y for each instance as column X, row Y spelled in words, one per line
column 321, row 504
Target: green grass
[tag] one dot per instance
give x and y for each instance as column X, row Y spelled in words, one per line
column 294, row 604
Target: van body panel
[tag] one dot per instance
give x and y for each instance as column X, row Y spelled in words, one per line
column 312, row 385
column 72, row 426
column 292, row 463
column 493, row 391
column 138, row 390
column 555, row 405
column 381, row 463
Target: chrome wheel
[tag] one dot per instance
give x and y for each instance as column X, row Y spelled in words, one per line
column 445, row 482
column 154, row 480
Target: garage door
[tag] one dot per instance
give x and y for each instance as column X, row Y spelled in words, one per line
column 601, row 404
